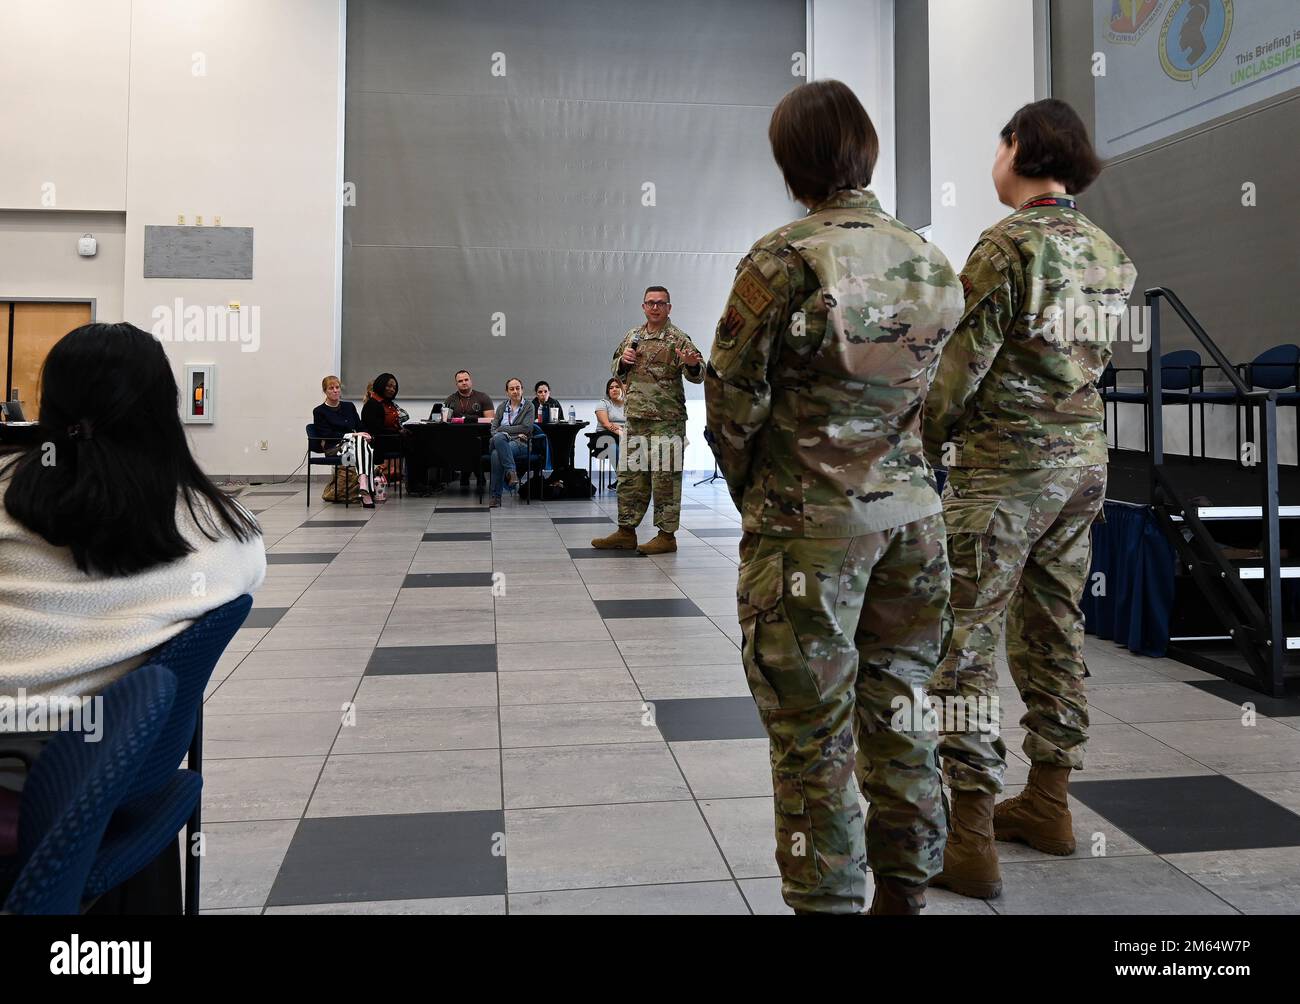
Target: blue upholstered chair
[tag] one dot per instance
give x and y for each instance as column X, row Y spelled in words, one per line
column 74, row 788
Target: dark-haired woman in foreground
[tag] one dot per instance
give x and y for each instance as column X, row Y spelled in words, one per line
column 112, row 540
column 1015, row 415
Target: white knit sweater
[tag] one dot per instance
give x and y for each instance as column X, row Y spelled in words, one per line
column 63, row 631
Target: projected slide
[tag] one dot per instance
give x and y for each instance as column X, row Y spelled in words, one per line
column 1162, row 66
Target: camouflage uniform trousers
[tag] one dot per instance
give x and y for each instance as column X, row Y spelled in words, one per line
column 838, row 634
column 650, row 452
column 1020, row 547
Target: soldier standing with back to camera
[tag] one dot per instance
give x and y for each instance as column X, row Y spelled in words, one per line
column 814, row 391
column 651, row 361
column 1015, row 415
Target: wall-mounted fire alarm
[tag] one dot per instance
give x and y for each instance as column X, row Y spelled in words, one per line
column 87, row 246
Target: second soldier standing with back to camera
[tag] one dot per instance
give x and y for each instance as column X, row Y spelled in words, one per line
column 814, row 392
column 1015, row 415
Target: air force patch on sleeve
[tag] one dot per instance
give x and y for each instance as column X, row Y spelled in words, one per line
column 753, row 292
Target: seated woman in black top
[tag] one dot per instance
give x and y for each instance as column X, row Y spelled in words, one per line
column 339, row 426
column 382, row 418
column 543, row 402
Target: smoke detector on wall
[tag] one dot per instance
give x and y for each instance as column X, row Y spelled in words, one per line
column 87, row 246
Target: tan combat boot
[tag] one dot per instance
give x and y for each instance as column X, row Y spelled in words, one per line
column 624, row 538
column 970, row 858
column 895, row 898
column 1040, row 815
column 663, row 543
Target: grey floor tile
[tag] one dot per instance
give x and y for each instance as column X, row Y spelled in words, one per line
column 567, row 686
column 258, row 787
column 577, row 724
column 708, row 718
column 456, row 580
column 307, row 663
column 1122, row 751
column 372, row 784
column 447, row 906
column 1262, row 881
column 1175, row 815
column 678, row 899
column 283, row 696
column 745, row 829
column 731, row 768
column 264, row 617
column 1283, row 787
column 709, row 651
column 296, row 734
column 1232, row 746
column 653, row 629
column 563, row 655
column 1159, row 702
column 286, row 638
column 241, row 861
column 677, row 682
column 408, row 692
column 1112, row 886
column 393, row 857
column 418, row 659
column 648, row 843
column 651, row 608
column 590, row 775
column 420, row 729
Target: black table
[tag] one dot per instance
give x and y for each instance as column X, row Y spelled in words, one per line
column 14, row 437
column 451, row 446
column 562, row 437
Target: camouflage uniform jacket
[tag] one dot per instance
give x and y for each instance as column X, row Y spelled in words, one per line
column 1016, row 385
column 819, row 369
column 654, row 383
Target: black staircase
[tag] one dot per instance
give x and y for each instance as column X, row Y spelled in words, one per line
column 1257, row 650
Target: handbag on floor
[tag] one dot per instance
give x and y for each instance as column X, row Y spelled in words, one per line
column 343, row 486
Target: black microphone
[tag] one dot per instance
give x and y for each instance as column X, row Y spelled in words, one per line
column 636, row 340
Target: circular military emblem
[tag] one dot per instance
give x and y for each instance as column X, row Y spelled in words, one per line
column 1129, row 20
column 1193, row 37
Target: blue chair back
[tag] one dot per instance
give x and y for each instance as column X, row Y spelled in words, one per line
column 1274, row 369
column 75, row 785
column 1180, row 370
column 192, row 655
column 1107, row 380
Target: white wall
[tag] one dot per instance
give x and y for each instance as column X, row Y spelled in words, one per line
column 981, row 70
column 853, row 41
column 63, row 98
column 165, row 109
column 256, row 140
column 38, row 257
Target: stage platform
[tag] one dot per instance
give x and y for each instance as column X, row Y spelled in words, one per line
column 1224, row 482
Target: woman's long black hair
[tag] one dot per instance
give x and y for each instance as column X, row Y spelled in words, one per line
column 112, row 458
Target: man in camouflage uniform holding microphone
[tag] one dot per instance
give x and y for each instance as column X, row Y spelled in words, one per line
column 651, row 360
column 814, row 392
column 1015, row 415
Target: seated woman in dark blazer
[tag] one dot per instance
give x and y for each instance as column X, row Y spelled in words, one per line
column 339, row 426
column 382, row 418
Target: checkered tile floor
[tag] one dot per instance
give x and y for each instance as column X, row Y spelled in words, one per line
column 434, row 708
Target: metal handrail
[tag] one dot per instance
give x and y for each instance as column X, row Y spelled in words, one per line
column 1270, row 495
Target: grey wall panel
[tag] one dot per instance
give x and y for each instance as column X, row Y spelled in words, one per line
column 715, row 52
column 498, row 172
column 523, row 195
column 198, row 252
column 564, row 314
column 1176, row 207
column 912, row 110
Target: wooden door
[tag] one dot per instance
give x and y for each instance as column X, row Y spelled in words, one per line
column 36, row 327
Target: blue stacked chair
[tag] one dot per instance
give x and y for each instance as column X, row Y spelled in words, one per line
column 162, row 798
column 74, row 788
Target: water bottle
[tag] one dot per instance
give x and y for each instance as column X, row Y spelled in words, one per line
column 573, row 415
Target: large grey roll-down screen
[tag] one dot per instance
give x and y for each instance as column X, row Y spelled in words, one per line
column 523, row 170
